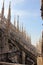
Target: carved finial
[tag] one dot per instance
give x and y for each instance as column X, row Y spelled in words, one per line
column 9, row 12
column 2, row 12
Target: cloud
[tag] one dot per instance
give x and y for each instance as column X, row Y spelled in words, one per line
column 25, row 13
column 21, row 13
column 18, row 1
column 14, row 2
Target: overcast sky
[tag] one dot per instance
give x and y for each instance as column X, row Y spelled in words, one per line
column 29, row 14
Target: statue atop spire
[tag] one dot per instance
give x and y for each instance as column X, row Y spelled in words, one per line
column 8, row 19
column 9, row 12
column 2, row 12
column 17, row 22
column 22, row 28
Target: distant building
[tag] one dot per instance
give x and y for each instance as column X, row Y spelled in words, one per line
column 38, row 45
column 41, row 9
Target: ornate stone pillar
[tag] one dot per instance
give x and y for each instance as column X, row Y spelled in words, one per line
column 23, row 57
